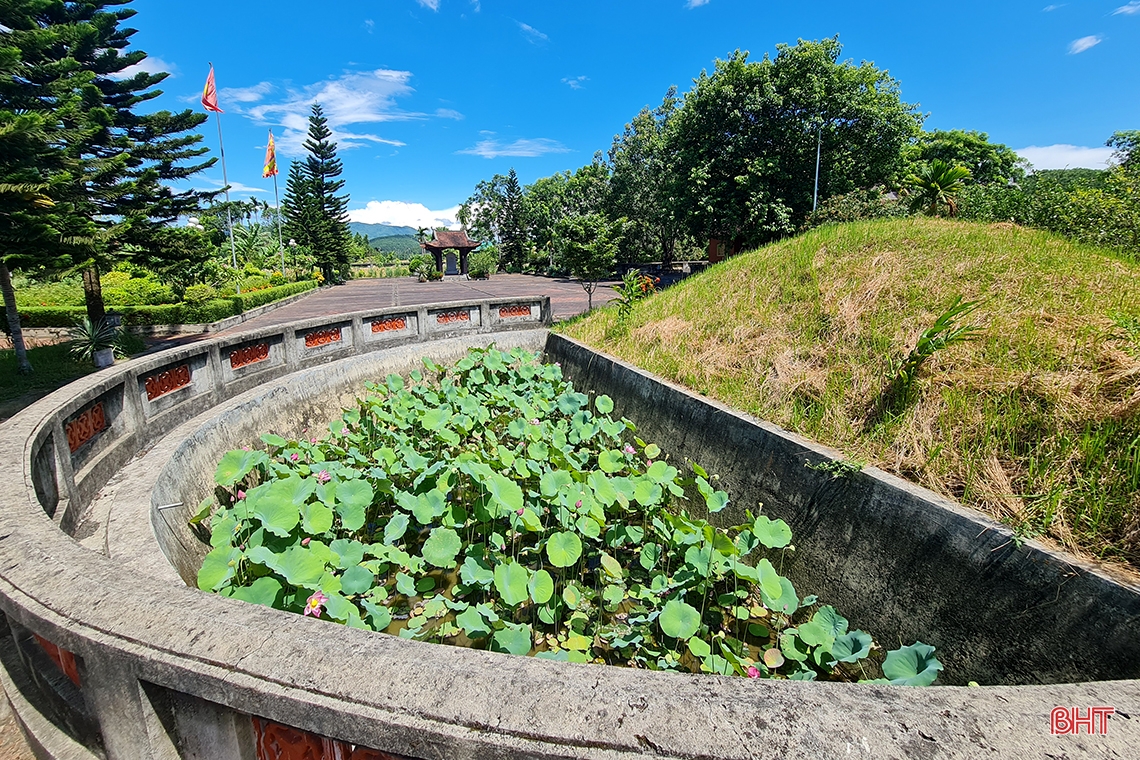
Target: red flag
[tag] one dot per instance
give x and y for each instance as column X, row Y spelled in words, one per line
column 270, row 169
column 210, row 93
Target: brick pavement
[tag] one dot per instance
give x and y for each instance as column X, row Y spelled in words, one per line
column 567, row 297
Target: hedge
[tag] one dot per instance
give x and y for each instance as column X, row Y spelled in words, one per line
column 167, row 314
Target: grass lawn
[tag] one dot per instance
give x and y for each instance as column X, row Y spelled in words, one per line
column 1037, row 421
column 54, row 368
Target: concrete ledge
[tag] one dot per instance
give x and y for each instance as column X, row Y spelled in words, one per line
column 165, row 668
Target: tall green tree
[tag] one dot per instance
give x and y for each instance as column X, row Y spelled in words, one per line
column 587, row 245
column 127, row 159
column 643, row 162
column 988, row 162
column 328, row 236
column 746, row 139
column 512, row 225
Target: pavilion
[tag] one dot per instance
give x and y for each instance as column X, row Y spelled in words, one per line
column 456, row 239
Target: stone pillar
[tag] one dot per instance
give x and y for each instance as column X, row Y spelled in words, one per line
column 131, row 730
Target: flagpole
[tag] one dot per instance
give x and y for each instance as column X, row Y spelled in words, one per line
column 280, row 240
column 229, row 209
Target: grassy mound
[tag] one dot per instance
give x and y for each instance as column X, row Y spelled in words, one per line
column 1036, row 421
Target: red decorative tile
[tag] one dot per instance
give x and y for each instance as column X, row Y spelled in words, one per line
column 85, row 427
column 167, row 381
column 322, row 337
column 243, row 357
column 63, row 659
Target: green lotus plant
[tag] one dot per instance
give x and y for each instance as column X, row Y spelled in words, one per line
column 491, row 505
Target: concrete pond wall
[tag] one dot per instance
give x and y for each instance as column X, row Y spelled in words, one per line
column 108, row 653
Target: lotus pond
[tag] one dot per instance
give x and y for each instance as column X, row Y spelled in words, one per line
column 489, row 504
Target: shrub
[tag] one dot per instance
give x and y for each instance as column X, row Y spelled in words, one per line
column 209, row 311
column 50, row 294
column 199, row 294
column 277, row 279
column 257, row 282
column 867, row 203
column 250, row 300
column 114, row 279
column 483, row 263
column 139, row 291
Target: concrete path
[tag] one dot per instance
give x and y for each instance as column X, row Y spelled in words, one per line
column 567, row 298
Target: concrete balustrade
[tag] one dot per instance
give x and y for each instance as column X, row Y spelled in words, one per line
column 108, row 653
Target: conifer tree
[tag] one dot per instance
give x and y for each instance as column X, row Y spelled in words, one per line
column 512, row 230
column 119, row 160
column 330, row 235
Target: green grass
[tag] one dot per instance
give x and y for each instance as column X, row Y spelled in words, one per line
column 1037, row 421
column 54, row 368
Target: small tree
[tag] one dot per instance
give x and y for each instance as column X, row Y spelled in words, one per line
column 588, row 247
column 935, row 185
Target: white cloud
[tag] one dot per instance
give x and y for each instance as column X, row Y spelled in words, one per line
column 429, row 4
column 476, row 5
column 235, row 187
column 522, row 148
column 1084, row 43
column 532, row 34
column 1051, row 8
column 1128, row 10
column 369, row 24
column 1064, row 156
column 404, row 214
column 696, row 3
column 351, row 99
column 151, row 65
column 244, row 94
column 449, row 113
column 575, row 83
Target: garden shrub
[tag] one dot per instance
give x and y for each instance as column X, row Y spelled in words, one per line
column 250, row 300
column 139, row 291
column 199, row 294
column 491, row 505
column 483, row 262
column 857, row 205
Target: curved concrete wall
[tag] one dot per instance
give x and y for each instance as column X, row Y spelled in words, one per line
column 131, row 663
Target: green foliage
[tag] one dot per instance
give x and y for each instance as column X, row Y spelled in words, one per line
column 945, row 332
column 88, row 338
column 634, row 287
column 199, row 294
column 935, row 185
column 989, row 163
column 251, row 300
column 746, row 136
column 483, row 263
column 855, row 206
column 491, row 505
column 587, row 246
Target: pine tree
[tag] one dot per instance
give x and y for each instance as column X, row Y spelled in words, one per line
column 512, row 230
column 331, row 236
column 297, row 208
column 117, row 201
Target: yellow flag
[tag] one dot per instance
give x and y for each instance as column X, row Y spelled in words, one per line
column 270, row 169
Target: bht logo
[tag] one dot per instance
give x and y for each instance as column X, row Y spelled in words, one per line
column 1068, row 720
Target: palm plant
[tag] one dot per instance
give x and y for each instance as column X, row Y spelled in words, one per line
column 935, row 185
column 89, row 338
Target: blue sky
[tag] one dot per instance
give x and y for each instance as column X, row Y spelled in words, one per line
column 427, row 97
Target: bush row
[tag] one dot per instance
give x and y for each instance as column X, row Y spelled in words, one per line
column 167, row 314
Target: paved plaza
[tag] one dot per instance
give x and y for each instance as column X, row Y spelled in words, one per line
column 567, row 298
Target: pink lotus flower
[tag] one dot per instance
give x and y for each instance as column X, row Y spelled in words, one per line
column 578, row 503
column 534, row 421
column 294, row 457
column 245, row 448
column 629, row 450
column 315, row 604
column 323, row 476
column 313, row 441
column 305, row 541
column 753, row 671
column 519, row 511
column 241, row 495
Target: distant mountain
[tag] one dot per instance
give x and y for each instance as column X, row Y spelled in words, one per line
column 372, row 231
column 403, row 246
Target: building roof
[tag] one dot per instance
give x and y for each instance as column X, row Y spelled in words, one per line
column 451, row 239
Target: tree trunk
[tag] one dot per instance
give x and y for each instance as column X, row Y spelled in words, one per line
column 22, row 363
column 93, row 295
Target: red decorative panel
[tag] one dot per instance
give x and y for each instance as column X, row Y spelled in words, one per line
column 63, row 659
column 278, row 742
column 165, row 382
column 506, row 312
column 85, row 427
column 243, row 357
column 322, row 337
column 453, row 316
column 389, row 323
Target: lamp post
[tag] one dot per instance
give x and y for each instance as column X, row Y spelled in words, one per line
column 292, row 252
column 818, row 147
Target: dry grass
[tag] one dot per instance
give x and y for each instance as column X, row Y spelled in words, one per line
column 1036, row 422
